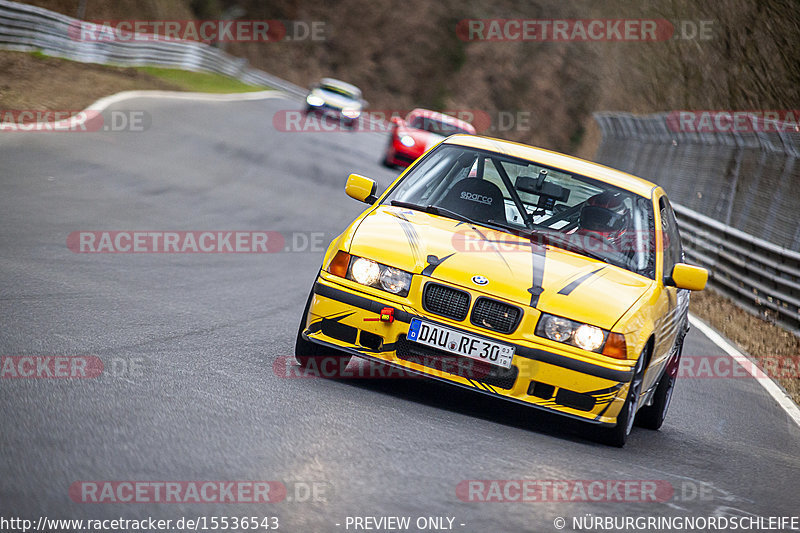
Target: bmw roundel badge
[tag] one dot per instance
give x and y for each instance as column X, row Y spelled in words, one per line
column 479, row 280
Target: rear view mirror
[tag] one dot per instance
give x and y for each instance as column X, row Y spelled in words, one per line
column 361, row 188
column 689, row 277
column 549, row 193
column 542, row 188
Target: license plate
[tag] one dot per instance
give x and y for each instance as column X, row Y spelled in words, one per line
column 459, row 343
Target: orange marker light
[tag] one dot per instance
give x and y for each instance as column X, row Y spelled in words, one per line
column 339, row 264
column 615, row 346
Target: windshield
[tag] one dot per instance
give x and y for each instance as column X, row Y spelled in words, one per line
column 544, row 204
column 338, row 90
column 436, row 126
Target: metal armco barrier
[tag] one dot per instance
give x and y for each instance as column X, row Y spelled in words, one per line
column 735, row 195
column 26, row 28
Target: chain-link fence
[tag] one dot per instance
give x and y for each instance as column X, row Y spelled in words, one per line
column 737, row 194
column 744, row 179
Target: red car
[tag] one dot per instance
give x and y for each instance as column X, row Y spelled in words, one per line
column 420, row 130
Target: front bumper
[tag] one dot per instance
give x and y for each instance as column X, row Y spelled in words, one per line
column 331, row 112
column 540, row 376
column 399, row 154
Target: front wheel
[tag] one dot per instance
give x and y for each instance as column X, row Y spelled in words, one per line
column 652, row 416
column 386, row 162
column 618, row 435
column 313, row 357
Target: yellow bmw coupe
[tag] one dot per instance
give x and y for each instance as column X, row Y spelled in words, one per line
column 515, row 272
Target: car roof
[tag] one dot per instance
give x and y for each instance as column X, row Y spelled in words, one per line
column 435, row 115
column 557, row 160
column 349, row 87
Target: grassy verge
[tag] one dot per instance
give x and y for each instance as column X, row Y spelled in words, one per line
column 203, row 82
column 35, row 81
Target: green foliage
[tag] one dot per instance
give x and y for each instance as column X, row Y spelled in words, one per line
column 200, row 81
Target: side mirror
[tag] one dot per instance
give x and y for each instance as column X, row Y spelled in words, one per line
column 685, row 276
column 361, row 188
column 397, row 121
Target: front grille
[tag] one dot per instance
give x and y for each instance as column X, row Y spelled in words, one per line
column 494, row 315
column 446, row 301
column 455, row 364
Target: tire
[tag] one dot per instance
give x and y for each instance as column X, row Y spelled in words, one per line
column 652, row 416
column 618, row 435
column 310, row 355
column 387, row 163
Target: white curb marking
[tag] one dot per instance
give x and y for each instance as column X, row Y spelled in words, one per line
column 103, row 103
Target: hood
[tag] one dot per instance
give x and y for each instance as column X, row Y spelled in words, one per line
column 336, row 100
column 550, row 279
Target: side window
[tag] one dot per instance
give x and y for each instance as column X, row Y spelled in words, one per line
column 673, row 252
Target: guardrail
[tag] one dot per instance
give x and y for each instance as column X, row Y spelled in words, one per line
column 28, row 28
column 758, row 275
column 717, row 181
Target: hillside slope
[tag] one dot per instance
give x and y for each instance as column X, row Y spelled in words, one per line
column 407, row 55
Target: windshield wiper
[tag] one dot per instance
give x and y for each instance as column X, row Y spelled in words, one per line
column 441, row 211
column 436, row 210
column 433, row 209
column 560, row 241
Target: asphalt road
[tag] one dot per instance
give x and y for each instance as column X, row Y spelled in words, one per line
column 188, row 343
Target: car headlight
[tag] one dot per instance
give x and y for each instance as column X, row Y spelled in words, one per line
column 365, row 271
column 559, row 329
column 588, row 337
column 351, row 113
column 372, row 274
column 314, row 100
column 407, row 140
column 395, row 280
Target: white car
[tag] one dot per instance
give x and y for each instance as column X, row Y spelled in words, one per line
column 336, row 99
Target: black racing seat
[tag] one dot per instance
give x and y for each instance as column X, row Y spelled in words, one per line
column 477, row 199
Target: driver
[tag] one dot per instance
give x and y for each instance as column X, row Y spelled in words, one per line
column 606, row 218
